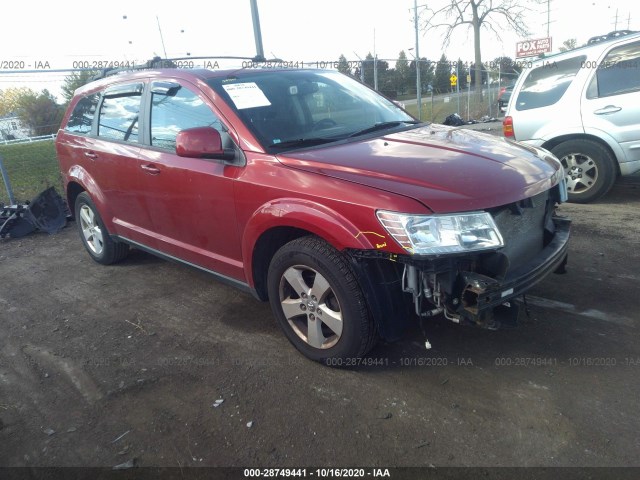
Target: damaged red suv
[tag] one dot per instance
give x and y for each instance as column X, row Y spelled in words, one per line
column 310, row 190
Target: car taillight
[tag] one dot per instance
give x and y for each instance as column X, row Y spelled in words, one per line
column 507, row 127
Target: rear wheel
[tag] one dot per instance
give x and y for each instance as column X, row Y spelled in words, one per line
column 94, row 234
column 590, row 169
column 318, row 303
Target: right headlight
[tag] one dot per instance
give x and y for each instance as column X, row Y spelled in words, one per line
column 441, row 234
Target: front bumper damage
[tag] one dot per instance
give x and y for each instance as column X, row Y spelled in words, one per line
column 480, row 294
column 469, row 288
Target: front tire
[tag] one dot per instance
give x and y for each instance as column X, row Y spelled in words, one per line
column 94, row 234
column 318, row 303
column 590, row 169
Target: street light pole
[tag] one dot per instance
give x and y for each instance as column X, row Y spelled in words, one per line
column 418, row 83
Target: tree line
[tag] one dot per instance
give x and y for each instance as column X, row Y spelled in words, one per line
column 39, row 111
column 434, row 75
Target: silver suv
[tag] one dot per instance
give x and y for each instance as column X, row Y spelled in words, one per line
column 584, row 106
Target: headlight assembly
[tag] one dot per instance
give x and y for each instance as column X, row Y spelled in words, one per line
column 442, row 234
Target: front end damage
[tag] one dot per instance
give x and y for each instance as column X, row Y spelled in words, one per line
column 474, row 288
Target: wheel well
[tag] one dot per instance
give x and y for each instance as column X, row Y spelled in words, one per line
column 73, row 190
column 554, row 142
column 266, row 246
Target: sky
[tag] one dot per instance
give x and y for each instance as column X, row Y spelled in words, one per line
column 60, row 37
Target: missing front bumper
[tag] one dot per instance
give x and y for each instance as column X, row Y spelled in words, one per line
column 481, row 294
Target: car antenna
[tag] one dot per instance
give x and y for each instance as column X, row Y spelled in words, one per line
column 257, row 33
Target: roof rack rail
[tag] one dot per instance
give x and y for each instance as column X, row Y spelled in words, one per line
column 610, row 36
column 157, row 62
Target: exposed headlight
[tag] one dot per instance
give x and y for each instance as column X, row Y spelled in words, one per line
column 441, row 234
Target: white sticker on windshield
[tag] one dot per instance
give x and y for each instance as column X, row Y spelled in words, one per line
column 246, row 95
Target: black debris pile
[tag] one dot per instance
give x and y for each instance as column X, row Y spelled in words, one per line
column 46, row 212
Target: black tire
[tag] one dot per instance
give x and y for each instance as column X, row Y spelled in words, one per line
column 341, row 297
column 589, row 167
column 102, row 248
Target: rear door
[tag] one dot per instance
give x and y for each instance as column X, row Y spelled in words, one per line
column 612, row 101
column 190, row 200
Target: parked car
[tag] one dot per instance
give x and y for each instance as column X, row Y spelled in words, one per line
column 314, row 192
column 503, row 97
column 584, row 106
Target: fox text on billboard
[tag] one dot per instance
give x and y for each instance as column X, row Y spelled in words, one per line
column 531, row 48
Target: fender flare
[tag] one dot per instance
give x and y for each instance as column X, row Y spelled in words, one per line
column 301, row 214
column 80, row 176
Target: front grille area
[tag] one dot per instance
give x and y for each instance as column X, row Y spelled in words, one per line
column 522, row 228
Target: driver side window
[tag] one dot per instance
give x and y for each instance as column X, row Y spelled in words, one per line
column 177, row 110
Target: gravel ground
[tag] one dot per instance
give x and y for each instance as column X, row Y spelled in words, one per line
column 156, row 364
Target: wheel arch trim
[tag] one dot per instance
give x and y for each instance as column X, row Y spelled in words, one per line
column 304, row 215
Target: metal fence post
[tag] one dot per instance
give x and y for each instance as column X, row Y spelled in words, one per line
column 7, row 183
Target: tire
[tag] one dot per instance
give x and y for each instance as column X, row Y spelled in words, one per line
column 589, row 167
column 95, row 236
column 311, row 284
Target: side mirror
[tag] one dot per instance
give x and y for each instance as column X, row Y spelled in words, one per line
column 202, row 142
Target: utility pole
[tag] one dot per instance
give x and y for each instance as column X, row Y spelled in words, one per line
column 375, row 63
column 615, row 28
column 548, row 16
column 458, row 87
column 418, row 83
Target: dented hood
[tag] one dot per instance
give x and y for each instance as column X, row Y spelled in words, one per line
column 446, row 169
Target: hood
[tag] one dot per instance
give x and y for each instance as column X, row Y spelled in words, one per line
column 446, row 169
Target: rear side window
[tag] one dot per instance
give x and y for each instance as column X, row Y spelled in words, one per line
column 119, row 115
column 618, row 73
column 178, row 109
column 547, row 84
column 81, row 118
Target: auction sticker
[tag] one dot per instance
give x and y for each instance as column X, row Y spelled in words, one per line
column 246, row 95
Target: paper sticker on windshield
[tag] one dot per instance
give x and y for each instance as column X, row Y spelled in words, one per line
column 246, row 95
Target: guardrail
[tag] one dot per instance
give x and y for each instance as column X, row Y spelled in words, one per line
column 29, row 139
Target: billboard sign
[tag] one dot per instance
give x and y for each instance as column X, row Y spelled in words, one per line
column 533, row 48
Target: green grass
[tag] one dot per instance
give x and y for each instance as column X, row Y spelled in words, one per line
column 31, row 167
column 441, row 109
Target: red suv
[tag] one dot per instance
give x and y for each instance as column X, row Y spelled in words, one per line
column 310, row 190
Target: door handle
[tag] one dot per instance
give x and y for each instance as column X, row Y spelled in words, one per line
column 91, row 155
column 151, row 169
column 608, row 109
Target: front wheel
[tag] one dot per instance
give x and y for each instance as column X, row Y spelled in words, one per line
column 589, row 168
column 318, row 303
column 94, row 234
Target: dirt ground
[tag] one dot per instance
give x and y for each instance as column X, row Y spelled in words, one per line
column 100, row 366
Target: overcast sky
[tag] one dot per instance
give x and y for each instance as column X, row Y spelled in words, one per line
column 296, row 30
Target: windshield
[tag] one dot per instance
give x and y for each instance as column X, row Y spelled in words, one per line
column 301, row 108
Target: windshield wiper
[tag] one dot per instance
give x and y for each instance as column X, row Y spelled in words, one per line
column 303, row 142
column 383, row 126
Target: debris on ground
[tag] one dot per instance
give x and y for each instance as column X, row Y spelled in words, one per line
column 217, row 403
column 128, row 464
column 46, row 212
column 454, row 120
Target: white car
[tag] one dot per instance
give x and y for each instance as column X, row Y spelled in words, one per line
column 584, row 106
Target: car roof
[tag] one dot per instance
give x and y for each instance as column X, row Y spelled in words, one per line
column 598, row 43
column 193, row 75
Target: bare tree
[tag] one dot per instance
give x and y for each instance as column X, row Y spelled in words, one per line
column 491, row 15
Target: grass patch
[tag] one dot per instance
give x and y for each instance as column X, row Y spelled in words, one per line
column 32, row 167
column 438, row 110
